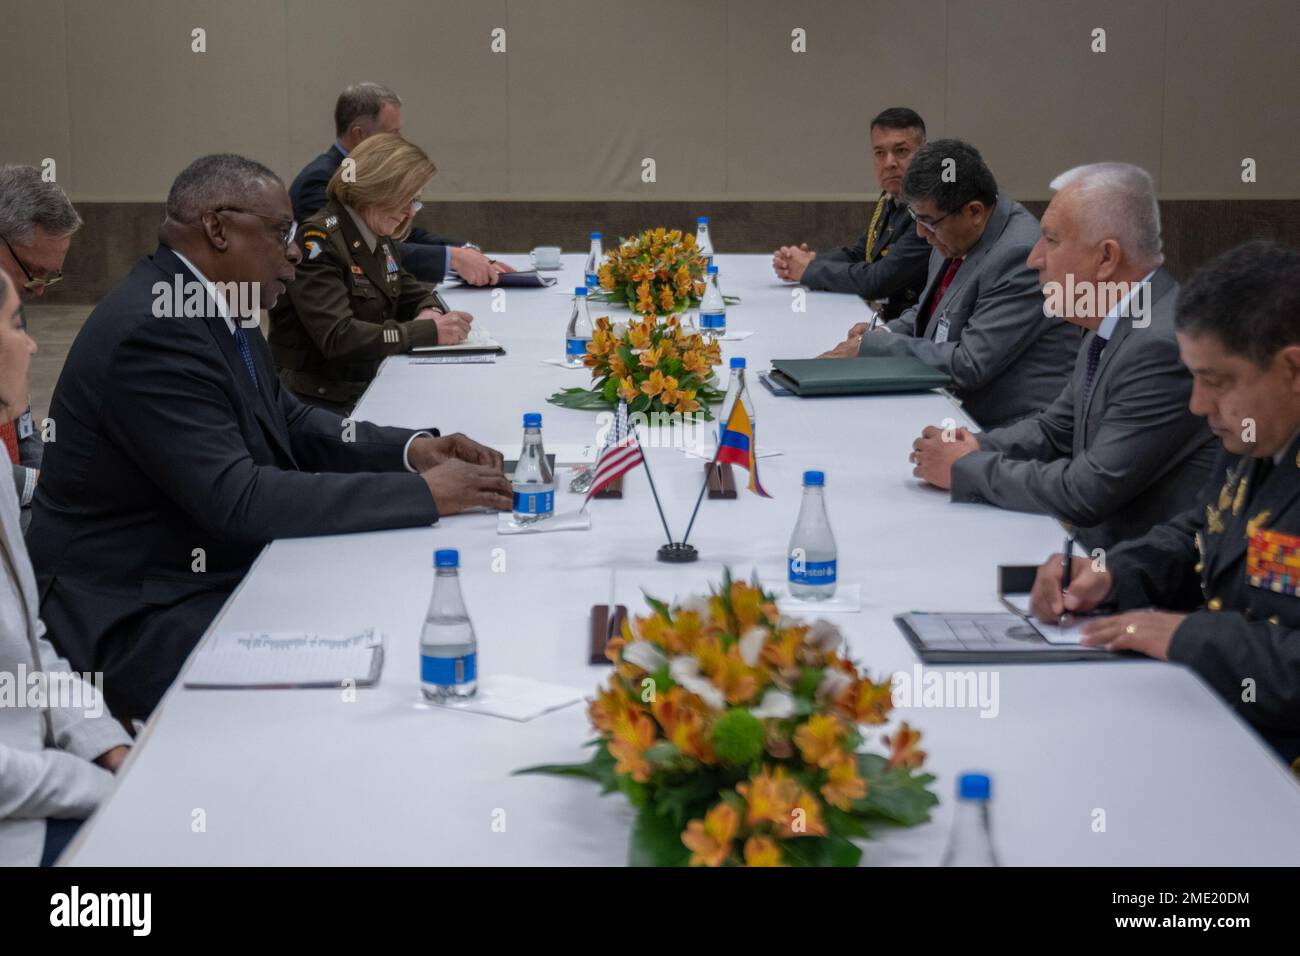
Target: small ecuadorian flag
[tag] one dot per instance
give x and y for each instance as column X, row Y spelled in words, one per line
column 738, row 447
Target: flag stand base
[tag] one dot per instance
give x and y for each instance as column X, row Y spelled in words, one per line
column 678, row 553
column 721, row 482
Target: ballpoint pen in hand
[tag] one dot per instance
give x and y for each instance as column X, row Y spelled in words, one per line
column 1067, row 566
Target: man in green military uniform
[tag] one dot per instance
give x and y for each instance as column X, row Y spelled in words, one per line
column 351, row 303
column 1229, row 569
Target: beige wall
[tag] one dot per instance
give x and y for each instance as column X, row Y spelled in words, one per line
column 709, row 88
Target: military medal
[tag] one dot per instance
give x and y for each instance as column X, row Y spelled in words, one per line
column 1273, row 562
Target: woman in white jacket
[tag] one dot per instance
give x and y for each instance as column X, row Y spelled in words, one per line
column 55, row 759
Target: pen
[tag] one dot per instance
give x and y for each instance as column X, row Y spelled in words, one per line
column 1067, row 565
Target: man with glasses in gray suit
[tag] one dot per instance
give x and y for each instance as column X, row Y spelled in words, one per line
column 1119, row 450
column 980, row 319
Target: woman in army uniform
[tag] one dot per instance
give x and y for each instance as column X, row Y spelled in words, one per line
column 351, row 303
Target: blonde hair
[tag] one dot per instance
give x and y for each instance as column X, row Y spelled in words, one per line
column 387, row 171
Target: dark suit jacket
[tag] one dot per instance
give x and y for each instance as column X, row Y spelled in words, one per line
column 1242, row 636
column 1131, row 457
column 423, row 253
column 1006, row 358
column 171, row 471
column 896, row 271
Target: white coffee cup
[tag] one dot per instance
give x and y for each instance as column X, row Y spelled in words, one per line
column 546, row 257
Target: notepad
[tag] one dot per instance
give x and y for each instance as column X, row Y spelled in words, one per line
column 262, row 659
column 479, row 339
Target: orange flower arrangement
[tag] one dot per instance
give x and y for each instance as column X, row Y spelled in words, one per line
column 654, row 366
column 659, row 272
column 736, row 734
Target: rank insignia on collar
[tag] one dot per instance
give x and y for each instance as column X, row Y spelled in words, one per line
column 1240, row 499
column 1213, row 520
column 1257, row 522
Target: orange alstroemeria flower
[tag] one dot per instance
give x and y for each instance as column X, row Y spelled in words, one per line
column 655, row 384
column 666, row 298
column 819, row 740
column 905, row 747
column 627, row 389
column 650, row 358
column 632, row 737
column 710, row 840
column 762, row 851
column 686, row 402
column 694, row 361
column 805, row 817
column 684, row 724
column 638, row 335
column 769, row 797
column 844, row 785
column 865, row 703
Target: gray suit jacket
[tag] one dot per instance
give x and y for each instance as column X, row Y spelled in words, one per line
column 896, row 272
column 46, row 752
column 1131, row 457
column 1006, row 358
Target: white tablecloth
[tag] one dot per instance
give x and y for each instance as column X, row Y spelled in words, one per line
column 305, row 777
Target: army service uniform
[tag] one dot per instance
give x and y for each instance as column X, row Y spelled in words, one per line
column 1233, row 562
column 350, row 306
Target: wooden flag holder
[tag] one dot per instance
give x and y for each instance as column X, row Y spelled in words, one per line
column 721, row 481
column 602, row 629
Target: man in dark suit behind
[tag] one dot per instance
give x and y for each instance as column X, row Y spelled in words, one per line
column 179, row 455
column 362, row 110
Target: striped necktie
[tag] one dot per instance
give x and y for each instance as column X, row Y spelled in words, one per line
column 1094, row 359
column 246, row 352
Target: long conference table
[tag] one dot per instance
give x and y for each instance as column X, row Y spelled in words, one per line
column 1108, row 763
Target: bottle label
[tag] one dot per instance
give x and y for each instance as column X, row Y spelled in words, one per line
column 813, row 572
column 534, row 503
column 448, row 670
column 713, row 320
column 574, row 348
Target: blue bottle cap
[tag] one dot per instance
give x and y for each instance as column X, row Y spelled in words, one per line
column 595, row 235
column 702, row 221
column 533, row 420
column 713, row 270
column 446, row 558
column 814, row 478
column 580, row 290
column 973, row 786
column 738, row 362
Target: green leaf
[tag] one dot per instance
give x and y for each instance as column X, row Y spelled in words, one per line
column 820, row 851
column 843, row 824
column 659, row 607
column 895, row 795
column 656, row 841
column 610, row 391
column 599, row 768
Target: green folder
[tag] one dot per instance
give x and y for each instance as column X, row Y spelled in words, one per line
column 875, row 375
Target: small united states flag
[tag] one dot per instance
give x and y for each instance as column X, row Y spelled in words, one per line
column 621, row 453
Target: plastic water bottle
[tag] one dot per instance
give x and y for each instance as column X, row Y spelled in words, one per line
column 702, row 242
column 448, row 648
column 812, row 546
column 578, row 333
column 713, row 310
column 733, row 389
column 594, row 258
column 533, row 484
column 971, row 843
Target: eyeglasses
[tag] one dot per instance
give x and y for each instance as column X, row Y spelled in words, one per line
column 288, row 228
column 33, row 283
column 927, row 226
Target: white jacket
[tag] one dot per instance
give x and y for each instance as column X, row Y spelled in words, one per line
column 46, row 752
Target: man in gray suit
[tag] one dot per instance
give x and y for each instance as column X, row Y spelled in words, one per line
column 1119, row 450
column 980, row 319
column 887, row 265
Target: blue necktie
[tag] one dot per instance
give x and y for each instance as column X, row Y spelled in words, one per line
column 246, row 351
column 1094, row 359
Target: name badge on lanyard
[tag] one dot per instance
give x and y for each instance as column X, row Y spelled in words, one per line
column 941, row 330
